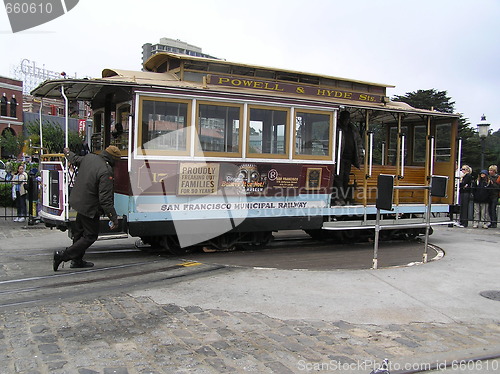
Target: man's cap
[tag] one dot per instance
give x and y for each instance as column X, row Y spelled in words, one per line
column 114, row 152
column 484, row 171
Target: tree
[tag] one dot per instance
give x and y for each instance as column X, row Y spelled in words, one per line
column 11, row 144
column 53, row 136
column 428, row 99
column 492, row 154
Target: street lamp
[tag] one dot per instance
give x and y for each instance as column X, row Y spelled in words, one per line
column 483, row 128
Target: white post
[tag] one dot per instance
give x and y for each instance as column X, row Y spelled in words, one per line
column 41, row 131
column 66, row 115
column 65, row 172
column 431, row 158
column 339, row 152
column 129, row 160
column 402, row 156
column 459, row 162
column 371, row 154
column 375, row 243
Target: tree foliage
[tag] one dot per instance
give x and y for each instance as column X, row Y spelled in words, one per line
column 11, row 144
column 53, row 136
column 428, row 99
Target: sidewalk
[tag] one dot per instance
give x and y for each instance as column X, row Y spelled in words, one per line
column 270, row 321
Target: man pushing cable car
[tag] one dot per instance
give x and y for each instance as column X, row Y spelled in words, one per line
column 91, row 197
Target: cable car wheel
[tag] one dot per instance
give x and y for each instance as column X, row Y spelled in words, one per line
column 256, row 240
column 167, row 243
column 170, row 243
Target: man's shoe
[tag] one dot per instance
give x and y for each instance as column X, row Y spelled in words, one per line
column 81, row 264
column 58, row 258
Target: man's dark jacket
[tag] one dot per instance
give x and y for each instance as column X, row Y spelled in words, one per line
column 93, row 190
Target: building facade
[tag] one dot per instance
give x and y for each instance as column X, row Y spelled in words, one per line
column 172, row 46
column 11, row 105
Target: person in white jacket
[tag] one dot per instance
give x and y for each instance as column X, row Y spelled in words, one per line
column 20, row 193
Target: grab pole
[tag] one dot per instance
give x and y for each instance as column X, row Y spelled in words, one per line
column 370, row 154
column 66, row 176
column 41, row 131
column 459, row 162
column 402, row 171
column 339, row 152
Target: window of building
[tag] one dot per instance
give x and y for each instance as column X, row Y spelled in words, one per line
column 3, row 106
column 165, row 125
column 13, row 107
column 268, row 129
column 218, row 128
column 312, row 134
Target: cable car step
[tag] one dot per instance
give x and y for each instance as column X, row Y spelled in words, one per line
column 112, row 236
column 384, row 224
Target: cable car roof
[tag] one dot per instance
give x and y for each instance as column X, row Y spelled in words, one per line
column 158, row 63
column 88, row 89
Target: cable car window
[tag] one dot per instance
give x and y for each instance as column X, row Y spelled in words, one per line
column 268, row 132
column 164, row 125
column 219, row 128
column 379, row 145
column 119, row 134
column 443, row 142
column 419, row 143
column 392, row 154
column 393, row 143
column 97, row 130
column 312, row 133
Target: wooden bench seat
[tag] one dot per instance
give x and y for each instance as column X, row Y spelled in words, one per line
column 414, row 176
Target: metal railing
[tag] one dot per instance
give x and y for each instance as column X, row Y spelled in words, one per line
column 8, row 208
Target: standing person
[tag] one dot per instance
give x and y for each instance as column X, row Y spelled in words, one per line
column 465, row 192
column 481, row 190
column 495, row 188
column 20, row 192
column 91, row 197
column 8, row 170
column 351, row 153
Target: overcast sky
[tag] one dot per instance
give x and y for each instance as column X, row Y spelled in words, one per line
column 448, row 45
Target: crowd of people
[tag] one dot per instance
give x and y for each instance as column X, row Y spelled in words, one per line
column 478, row 197
column 18, row 179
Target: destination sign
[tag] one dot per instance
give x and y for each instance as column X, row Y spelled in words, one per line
column 293, row 88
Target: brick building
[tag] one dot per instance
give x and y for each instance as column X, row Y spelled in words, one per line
column 11, row 105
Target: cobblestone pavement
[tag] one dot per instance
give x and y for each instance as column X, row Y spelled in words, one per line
column 121, row 334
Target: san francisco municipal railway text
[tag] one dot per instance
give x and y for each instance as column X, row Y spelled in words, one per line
column 237, row 206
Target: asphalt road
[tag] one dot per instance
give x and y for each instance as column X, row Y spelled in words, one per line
column 294, row 307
